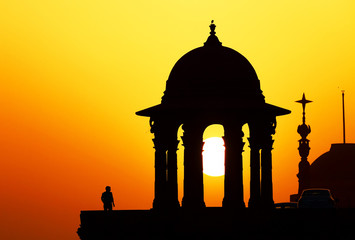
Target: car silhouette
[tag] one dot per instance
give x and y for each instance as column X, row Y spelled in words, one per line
column 285, row 205
column 316, row 198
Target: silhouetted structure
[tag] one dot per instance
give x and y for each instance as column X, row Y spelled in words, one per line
column 107, row 199
column 212, row 84
column 218, row 223
column 303, row 149
column 335, row 170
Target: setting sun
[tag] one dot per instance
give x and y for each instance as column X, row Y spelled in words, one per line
column 213, row 156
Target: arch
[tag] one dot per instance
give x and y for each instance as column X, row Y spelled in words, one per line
column 246, row 163
column 213, row 130
column 180, row 162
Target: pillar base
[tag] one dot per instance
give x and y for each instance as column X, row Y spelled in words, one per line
column 162, row 205
column 192, row 204
column 158, row 204
column 255, row 204
column 268, row 204
column 233, row 204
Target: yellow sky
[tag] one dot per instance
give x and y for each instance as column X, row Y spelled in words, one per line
column 73, row 74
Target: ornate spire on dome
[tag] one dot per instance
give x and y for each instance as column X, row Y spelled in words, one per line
column 212, row 40
column 212, row 27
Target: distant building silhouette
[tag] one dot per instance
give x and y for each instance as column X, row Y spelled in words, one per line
column 209, row 85
column 333, row 170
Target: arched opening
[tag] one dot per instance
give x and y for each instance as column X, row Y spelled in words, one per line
column 246, row 164
column 213, row 155
column 180, row 165
column 213, row 185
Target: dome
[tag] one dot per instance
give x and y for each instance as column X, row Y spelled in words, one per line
column 212, row 73
column 213, row 78
column 335, row 170
column 337, row 164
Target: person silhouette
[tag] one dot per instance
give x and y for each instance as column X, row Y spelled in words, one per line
column 107, row 199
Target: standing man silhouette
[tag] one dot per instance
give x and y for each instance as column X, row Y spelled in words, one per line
column 107, row 199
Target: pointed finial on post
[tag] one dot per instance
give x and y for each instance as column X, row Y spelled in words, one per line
column 342, row 94
column 304, row 101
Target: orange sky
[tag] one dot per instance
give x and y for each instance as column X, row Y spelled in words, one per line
column 73, row 74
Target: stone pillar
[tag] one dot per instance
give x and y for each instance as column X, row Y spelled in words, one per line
column 165, row 144
column 267, row 201
column 172, row 186
column 160, row 167
column 233, row 179
column 193, row 175
column 254, row 201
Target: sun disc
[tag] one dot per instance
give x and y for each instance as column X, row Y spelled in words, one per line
column 213, row 156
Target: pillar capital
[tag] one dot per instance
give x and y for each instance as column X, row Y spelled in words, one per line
column 254, row 143
column 173, row 144
column 159, row 144
column 235, row 142
column 266, row 140
column 267, row 144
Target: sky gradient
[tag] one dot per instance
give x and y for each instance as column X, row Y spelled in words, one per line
column 73, row 74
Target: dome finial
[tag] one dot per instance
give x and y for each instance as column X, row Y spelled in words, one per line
column 212, row 40
column 212, row 27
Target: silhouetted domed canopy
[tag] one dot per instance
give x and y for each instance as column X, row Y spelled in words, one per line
column 335, row 170
column 213, row 77
column 211, row 73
